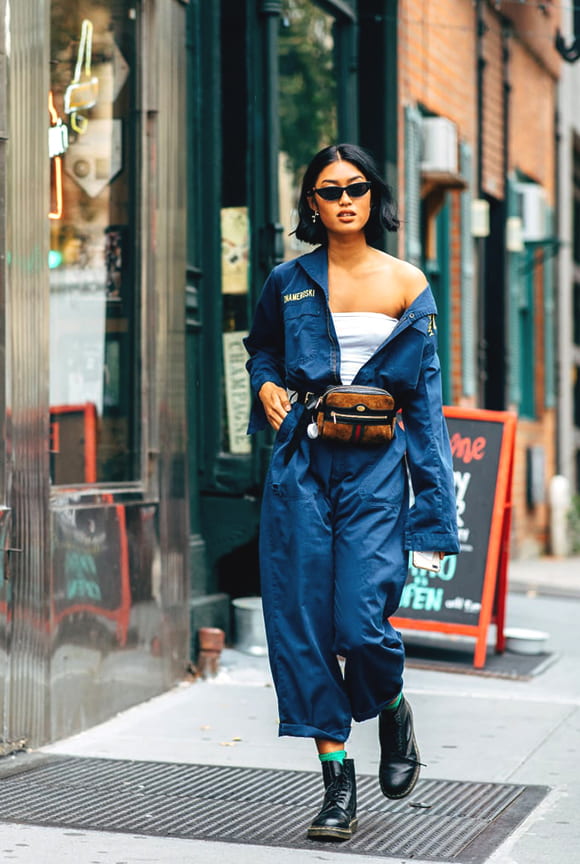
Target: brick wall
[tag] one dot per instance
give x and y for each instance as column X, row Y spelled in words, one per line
column 456, row 335
column 438, row 72
column 530, row 535
column 493, row 124
column 532, row 152
column 436, row 67
column 533, row 107
column 536, row 23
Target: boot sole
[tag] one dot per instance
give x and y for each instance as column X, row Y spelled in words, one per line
column 322, row 833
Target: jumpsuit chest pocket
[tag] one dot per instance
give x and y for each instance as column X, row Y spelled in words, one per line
column 304, row 329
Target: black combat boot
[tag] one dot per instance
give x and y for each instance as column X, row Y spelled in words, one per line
column 337, row 818
column 399, row 767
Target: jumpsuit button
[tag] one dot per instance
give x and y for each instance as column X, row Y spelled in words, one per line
column 411, row 314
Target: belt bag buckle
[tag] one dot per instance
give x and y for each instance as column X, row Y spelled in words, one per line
column 356, row 415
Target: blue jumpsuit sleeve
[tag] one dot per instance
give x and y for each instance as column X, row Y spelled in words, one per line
column 265, row 345
column 432, row 520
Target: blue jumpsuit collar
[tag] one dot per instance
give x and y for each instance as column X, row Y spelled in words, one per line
column 316, row 266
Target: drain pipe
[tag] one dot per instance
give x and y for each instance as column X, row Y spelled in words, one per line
column 506, row 93
column 481, row 29
column 272, row 241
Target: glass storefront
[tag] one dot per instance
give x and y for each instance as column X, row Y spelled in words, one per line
column 307, row 121
column 94, row 309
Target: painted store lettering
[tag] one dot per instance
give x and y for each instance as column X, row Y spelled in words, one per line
column 418, row 597
column 461, row 479
column 464, row 604
column 466, row 449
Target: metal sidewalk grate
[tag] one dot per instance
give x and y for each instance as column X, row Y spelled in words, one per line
column 441, row 820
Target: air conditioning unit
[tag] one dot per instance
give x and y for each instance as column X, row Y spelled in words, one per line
column 439, row 151
column 532, row 211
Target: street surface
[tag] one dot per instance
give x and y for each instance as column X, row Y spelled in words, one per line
column 469, row 728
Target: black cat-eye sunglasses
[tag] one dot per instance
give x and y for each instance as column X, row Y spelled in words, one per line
column 335, row 193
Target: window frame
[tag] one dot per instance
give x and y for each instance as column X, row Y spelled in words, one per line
column 141, row 411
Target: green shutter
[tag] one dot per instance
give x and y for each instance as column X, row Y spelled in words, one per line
column 468, row 337
column 550, row 360
column 413, row 250
column 526, row 335
column 514, row 277
column 444, row 298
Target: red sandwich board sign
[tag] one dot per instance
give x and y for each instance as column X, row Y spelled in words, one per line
column 469, row 593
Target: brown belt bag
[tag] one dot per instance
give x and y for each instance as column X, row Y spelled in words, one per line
column 354, row 415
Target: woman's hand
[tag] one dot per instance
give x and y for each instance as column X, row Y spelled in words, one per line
column 275, row 402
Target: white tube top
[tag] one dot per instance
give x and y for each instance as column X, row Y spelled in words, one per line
column 359, row 336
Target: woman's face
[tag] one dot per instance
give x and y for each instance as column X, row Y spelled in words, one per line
column 348, row 214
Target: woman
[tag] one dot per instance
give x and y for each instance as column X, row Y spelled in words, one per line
column 336, row 527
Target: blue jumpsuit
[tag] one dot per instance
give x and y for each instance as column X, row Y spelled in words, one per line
column 336, row 525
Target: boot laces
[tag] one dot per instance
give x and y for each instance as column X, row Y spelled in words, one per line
column 400, row 741
column 411, row 760
column 337, row 792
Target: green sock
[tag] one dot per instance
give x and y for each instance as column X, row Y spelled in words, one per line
column 334, row 756
column 392, row 706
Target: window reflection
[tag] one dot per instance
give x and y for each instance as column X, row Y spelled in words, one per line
column 92, row 151
column 307, row 94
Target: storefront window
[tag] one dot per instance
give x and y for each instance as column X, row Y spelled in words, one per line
column 93, row 150
column 307, row 117
column 235, row 282
column 235, row 234
column 307, row 94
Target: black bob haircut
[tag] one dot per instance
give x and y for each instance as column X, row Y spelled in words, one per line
column 383, row 208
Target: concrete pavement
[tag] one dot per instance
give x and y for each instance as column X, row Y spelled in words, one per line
column 469, row 728
column 556, row 577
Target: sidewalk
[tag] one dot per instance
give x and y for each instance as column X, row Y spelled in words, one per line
column 557, row 577
column 469, row 728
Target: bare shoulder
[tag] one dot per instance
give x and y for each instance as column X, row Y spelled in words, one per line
column 412, row 280
column 396, row 283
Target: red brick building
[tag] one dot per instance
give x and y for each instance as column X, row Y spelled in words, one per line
column 477, row 179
